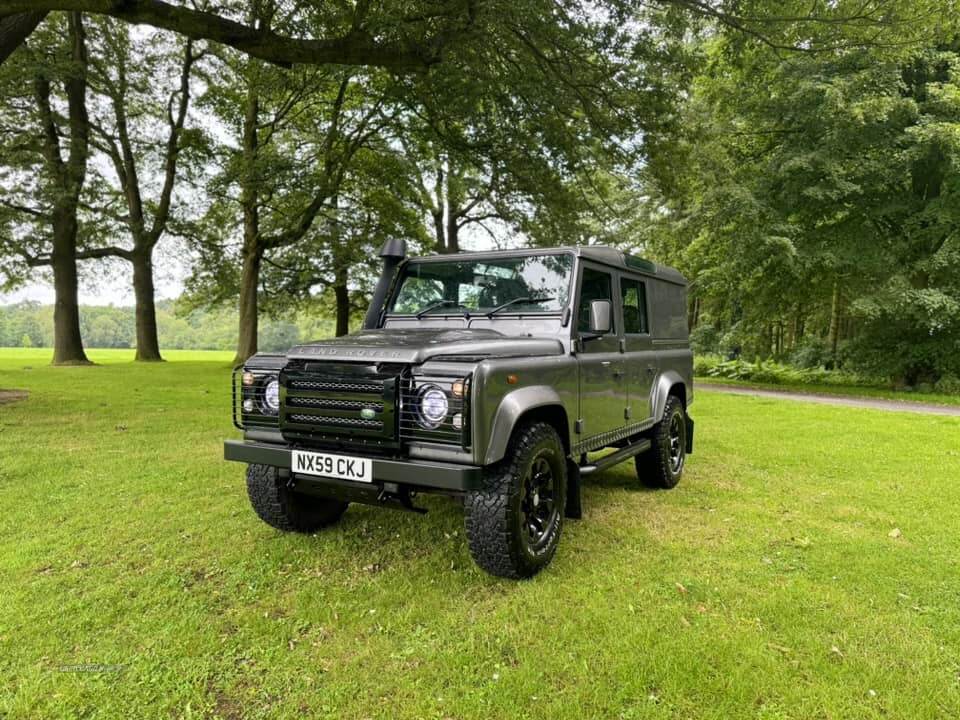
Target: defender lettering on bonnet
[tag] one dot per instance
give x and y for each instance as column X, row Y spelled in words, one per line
column 488, row 377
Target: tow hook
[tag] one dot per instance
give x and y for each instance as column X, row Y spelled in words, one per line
column 392, row 494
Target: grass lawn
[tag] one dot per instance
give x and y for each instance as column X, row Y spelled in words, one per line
column 136, row 581
column 844, row 390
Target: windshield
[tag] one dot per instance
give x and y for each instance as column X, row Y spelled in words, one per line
column 533, row 283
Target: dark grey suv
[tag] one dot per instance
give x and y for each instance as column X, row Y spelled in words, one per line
column 497, row 378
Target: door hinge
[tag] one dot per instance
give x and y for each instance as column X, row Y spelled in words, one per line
column 627, row 413
column 578, row 427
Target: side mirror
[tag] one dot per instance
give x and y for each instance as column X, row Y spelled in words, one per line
column 600, row 312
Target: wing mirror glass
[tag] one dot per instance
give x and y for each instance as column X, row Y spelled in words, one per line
column 600, row 311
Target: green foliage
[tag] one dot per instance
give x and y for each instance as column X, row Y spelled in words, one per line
column 774, row 373
column 704, row 339
column 948, row 385
column 814, row 201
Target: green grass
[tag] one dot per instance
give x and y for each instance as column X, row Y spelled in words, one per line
column 858, row 391
column 765, row 586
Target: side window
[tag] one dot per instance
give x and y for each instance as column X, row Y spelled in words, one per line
column 634, row 297
column 594, row 285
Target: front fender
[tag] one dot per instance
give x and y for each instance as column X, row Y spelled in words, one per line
column 512, row 407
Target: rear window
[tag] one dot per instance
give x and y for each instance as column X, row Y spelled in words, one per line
column 634, row 296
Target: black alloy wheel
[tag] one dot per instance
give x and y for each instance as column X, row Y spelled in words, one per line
column 538, row 507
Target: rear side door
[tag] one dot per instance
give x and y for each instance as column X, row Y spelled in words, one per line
column 640, row 359
column 603, row 389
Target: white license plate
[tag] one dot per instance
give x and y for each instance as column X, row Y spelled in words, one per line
column 341, row 467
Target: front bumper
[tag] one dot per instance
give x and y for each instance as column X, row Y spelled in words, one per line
column 413, row 474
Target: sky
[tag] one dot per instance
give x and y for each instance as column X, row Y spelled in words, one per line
column 112, row 285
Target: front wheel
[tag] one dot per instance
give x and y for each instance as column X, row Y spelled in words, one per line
column 662, row 465
column 513, row 524
column 280, row 507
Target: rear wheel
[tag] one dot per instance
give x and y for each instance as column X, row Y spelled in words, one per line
column 513, row 524
column 662, row 465
column 280, row 507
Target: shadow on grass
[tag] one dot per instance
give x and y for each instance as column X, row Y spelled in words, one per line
column 12, row 396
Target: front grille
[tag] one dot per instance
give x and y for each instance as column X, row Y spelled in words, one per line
column 341, row 421
column 367, row 387
column 330, row 404
column 322, row 401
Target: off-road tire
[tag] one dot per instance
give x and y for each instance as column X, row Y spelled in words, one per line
column 657, row 468
column 496, row 526
column 280, row 507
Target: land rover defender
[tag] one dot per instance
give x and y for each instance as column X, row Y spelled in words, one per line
column 499, row 378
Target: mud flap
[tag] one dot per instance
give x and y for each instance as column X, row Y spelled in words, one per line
column 689, row 448
column 573, row 509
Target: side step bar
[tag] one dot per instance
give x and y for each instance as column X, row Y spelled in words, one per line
column 616, row 458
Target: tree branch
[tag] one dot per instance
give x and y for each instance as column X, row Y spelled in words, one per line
column 173, row 147
column 15, row 29
column 357, row 47
column 104, row 252
column 24, row 209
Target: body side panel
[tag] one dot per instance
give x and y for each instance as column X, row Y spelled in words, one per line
column 498, row 404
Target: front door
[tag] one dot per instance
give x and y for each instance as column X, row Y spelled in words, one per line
column 602, row 384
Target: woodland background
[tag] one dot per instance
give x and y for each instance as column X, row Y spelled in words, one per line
column 797, row 161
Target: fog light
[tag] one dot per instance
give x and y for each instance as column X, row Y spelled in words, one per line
column 248, row 405
column 457, row 421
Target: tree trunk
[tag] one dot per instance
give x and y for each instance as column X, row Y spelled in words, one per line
column 252, row 246
column 148, row 345
column 440, row 231
column 693, row 312
column 834, row 336
column 249, row 282
column 342, row 295
column 67, row 342
column 453, row 233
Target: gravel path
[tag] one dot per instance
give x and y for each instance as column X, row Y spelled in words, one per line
column 845, row 401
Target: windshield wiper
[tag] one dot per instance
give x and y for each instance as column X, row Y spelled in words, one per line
column 443, row 303
column 531, row 299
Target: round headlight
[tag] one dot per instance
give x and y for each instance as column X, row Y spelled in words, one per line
column 271, row 398
column 433, row 407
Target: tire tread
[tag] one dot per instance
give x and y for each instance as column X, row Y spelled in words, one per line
column 487, row 516
column 285, row 510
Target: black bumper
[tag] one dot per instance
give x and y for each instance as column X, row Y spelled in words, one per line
column 414, row 474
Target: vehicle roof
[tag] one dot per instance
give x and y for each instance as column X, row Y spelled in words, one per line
column 596, row 253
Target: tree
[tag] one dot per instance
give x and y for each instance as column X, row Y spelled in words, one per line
column 338, row 262
column 129, row 75
column 298, row 132
column 814, row 201
column 41, row 196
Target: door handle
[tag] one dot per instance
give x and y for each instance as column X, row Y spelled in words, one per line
column 605, row 363
column 651, row 369
column 618, row 373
